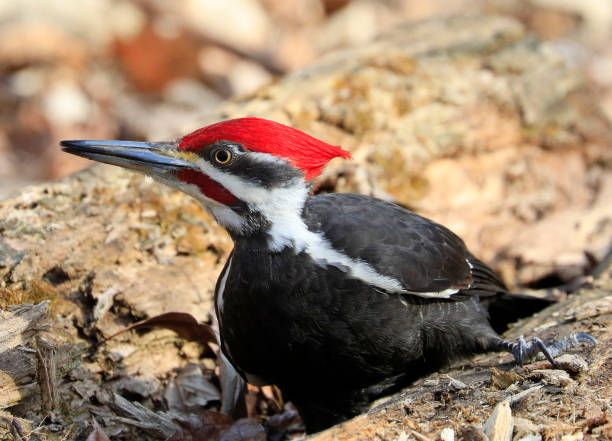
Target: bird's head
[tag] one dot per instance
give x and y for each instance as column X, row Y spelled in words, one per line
column 247, row 172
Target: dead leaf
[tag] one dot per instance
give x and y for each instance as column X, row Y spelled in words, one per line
column 207, row 425
column 184, row 324
column 287, row 422
column 190, row 390
column 246, row 429
column 189, row 328
column 97, row 434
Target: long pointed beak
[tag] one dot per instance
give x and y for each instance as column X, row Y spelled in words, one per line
column 155, row 158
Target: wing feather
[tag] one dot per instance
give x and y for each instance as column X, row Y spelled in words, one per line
column 426, row 258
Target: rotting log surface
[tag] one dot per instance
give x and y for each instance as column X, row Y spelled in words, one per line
column 19, row 327
column 468, row 120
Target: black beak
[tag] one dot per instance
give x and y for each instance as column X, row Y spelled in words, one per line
column 153, row 158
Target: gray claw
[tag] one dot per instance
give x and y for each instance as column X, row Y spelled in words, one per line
column 583, row 337
column 524, row 351
column 519, row 350
column 539, row 344
column 570, row 342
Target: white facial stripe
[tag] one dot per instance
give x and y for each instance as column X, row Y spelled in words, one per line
column 272, row 203
column 282, row 207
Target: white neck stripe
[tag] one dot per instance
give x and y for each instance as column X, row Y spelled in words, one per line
column 222, row 288
column 323, row 254
column 282, row 207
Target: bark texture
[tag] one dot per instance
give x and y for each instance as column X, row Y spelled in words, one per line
column 468, row 120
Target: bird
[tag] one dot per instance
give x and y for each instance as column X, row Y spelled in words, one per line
column 338, row 299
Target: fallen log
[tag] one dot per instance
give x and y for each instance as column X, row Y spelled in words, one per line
column 469, row 120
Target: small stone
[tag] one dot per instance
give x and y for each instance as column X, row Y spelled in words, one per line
column 246, row 77
column 104, row 303
column 139, row 386
column 27, row 82
column 247, row 19
column 120, row 351
column 447, row 434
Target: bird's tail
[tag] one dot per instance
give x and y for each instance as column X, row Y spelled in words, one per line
column 507, row 307
column 504, row 307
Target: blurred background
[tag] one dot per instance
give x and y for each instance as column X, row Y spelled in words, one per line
column 153, row 69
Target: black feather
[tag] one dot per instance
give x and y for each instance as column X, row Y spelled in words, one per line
column 333, row 343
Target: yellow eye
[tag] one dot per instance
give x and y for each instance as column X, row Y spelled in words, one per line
column 222, row 156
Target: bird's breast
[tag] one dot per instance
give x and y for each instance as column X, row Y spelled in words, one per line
column 282, row 316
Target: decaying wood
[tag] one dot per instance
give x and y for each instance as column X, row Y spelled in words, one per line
column 19, row 327
column 469, row 120
column 46, row 373
column 158, row 425
column 499, row 426
column 20, row 323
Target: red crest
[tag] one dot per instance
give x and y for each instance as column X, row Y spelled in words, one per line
column 261, row 135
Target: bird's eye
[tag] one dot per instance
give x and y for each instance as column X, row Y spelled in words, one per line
column 222, row 156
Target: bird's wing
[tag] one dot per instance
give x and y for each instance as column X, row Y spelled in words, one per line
column 426, row 258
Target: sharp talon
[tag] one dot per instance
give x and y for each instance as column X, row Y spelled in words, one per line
column 544, row 350
column 517, row 349
column 583, row 337
column 524, row 351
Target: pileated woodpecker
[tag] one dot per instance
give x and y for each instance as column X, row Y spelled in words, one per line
column 335, row 298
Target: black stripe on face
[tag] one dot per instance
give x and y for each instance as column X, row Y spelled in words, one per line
column 261, row 169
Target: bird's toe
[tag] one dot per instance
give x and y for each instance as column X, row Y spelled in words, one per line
column 524, row 351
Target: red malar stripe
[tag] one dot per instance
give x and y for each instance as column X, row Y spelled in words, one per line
column 211, row 189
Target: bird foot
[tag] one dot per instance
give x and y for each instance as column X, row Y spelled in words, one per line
column 525, row 351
